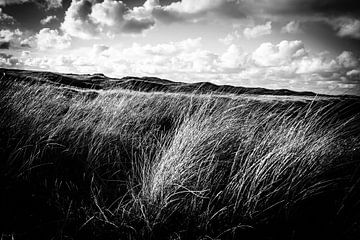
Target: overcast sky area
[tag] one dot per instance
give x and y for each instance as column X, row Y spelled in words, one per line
column 302, row 45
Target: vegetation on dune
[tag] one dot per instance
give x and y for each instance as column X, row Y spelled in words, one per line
column 120, row 164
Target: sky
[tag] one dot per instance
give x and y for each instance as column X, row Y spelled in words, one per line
column 302, row 45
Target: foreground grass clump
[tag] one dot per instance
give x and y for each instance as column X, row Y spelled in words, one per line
column 117, row 164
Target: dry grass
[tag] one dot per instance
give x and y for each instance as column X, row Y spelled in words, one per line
column 132, row 165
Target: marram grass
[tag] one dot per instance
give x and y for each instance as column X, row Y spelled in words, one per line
column 121, row 164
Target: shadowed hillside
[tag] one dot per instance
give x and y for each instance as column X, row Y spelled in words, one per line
column 145, row 84
column 91, row 157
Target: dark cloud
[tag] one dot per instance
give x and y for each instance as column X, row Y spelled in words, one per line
column 47, row 4
column 327, row 8
column 322, row 36
column 189, row 11
column 186, row 10
column 4, row 45
column 8, row 60
column 84, row 10
column 6, row 20
column 29, row 14
column 25, row 45
column 5, row 56
column 137, row 25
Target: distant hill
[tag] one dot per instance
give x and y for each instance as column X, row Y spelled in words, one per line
column 146, row 84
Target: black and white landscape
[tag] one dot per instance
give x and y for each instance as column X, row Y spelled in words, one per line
column 188, row 119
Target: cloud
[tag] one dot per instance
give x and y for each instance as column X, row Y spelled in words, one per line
column 307, row 7
column 316, row 65
column 11, row 38
column 16, row 39
column 4, row 45
column 54, row 3
column 347, row 27
column 292, row 28
column 258, row 31
column 8, row 2
column 6, row 20
column 270, row 65
column 190, row 11
column 48, row 4
column 98, row 49
column 108, row 13
column 347, row 59
column 230, row 38
column 7, row 60
column 48, row 20
column 85, row 19
column 77, row 21
column 267, row 54
column 52, row 39
column 355, row 73
column 10, row 35
column 233, row 57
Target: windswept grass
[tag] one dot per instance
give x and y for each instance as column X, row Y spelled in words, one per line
column 121, row 164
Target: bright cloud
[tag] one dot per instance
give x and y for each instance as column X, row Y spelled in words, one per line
column 285, row 52
column 52, row 39
column 88, row 20
column 258, row 31
column 269, row 63
column 233, row 57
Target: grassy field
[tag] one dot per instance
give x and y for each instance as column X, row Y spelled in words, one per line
column 122, row 164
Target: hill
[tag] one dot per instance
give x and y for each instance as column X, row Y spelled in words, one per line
column 145, row 84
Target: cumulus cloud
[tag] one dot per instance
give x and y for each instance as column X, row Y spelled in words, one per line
column 233, row 57
column 292, row 27
column 258, row 31
column 230, row 38
column 316, row 65
column 268, row 54
column 89, row 18
column 54, row 3
column 85, row 19
column 52, row 39
column 10, row 35
column 7, row 60
column 48, row 19
column 269, row 65
column 347, row 59
column 11, row 38
column 347, row 27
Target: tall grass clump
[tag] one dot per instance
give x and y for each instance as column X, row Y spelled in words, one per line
column 244, row 165
column 120, row 164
